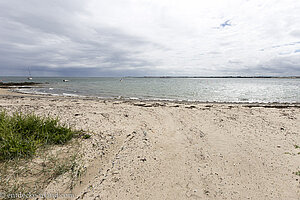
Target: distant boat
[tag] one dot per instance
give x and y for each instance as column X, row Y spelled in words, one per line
column 29, row 78
column 65, row 80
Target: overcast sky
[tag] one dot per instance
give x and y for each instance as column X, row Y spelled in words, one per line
column 149, row 37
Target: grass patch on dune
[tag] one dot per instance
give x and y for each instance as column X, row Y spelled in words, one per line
column 36, row 150
column 22, row 134
column 33, row 175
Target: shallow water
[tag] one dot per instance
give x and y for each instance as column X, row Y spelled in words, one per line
column 190, row 89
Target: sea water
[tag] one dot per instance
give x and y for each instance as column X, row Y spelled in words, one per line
column 186, row 89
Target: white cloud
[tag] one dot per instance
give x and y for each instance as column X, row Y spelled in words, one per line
column 161, row 37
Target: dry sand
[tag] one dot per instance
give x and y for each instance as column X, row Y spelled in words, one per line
column 160, row 150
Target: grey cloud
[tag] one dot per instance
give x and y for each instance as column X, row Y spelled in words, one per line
column 38, row 71
column 288, row 66
column 295, row 33
column 287, row 44
column 284, row 66
column 65, row 37
column 235, row 62
column 50, row 35
column 278, row 46
column 213, row 52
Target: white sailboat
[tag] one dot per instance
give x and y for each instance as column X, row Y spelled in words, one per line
column 29, row 78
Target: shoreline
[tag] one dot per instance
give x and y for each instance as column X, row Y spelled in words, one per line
column 6, row 92
column 176, row 150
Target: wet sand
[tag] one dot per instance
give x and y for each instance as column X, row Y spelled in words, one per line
column 171, row 150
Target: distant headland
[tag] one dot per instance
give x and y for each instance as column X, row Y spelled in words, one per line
column 289, row 77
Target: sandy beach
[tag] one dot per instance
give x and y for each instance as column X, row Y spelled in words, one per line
column 173, row 150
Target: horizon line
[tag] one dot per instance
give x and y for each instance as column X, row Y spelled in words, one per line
column 163, row 76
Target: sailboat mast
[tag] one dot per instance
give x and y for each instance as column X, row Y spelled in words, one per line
column 29, row 72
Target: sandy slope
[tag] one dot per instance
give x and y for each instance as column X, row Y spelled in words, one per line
column 179, row 151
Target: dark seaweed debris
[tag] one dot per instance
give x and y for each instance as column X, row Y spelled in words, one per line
column 11, row 84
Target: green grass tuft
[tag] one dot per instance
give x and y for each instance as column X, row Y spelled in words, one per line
column 86, row 136
column 297, row 173
column 21, row 135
